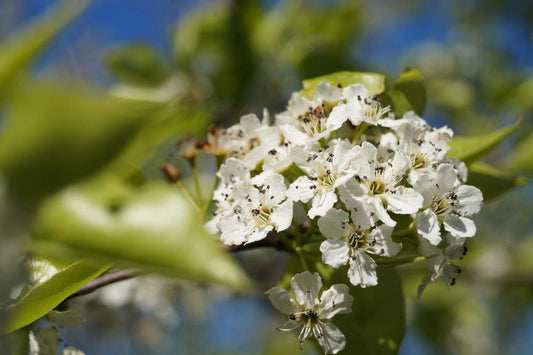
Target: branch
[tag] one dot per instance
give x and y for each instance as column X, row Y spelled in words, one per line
column 104, row 280
column 271, row 241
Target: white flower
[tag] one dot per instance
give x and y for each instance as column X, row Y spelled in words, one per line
column 439, row 263
column 423, row 144
column 310, row 317
column 446, row 203
column 279, row 158
column 254, row 208
column 378, row 185
column 305, row 121
column 353, row 241
column 326, row 169
column 251, row 139
column 358, row 107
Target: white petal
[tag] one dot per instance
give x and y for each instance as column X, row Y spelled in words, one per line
column 446, row 178
column 281, row 300
column 403, row 200
column 339, row 115
column 258, row 233
column 327, row 92
column 427, row 226
column 294, row 135
column 379, row 211
column 322, row 203
column 233, row 232
column 290, row 326
column 382, row 241
column 250, row 122
column 334, row 223
column 332, row 339
column 306, row 287
column 335, row 300
column 354, row 90
column 335, row 252
column 361, row 216
column 303, row 189
column 350, row 193
column 233, row 170
column 362, row 270
column 470, row 200
column 460, row 227
column 282, row 216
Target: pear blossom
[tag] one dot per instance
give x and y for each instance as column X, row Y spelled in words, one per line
column 446, row 203
column 307, row 315
column 305, row 121
column 326, row 169
column 423, row 144
column 378, row 185
column 358, row 107
column 439, row 262
column 351, row 241
column 249, row 210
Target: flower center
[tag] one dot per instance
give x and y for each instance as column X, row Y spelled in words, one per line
column 313, row 121
column 444, row 204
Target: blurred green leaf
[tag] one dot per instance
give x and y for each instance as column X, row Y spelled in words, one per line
column 53, row 137
column 173, row 122
column 16, row 54
column 66, row 319
column 151, row 227
column 377, row 323
column 408, row 93
column 521, row 158
column 471, row 148
column 137, row 64
column 375, row 83
column 491, row 181
column 51, row 291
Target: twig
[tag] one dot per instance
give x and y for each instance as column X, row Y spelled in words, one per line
column 104, row 280
column 271, row 240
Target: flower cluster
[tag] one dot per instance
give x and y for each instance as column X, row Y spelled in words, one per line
column 357, row 170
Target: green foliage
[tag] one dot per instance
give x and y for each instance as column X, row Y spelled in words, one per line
column 521, row 159
column 45, row 295
column 472, row 148
column 377, row 323
column 137, row 64
column 17, row 53
column 375, row 83
column 61, row 137
column 152, row 227
column 491, row 181
column 408, row 93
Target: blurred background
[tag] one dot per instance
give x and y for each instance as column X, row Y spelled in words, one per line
column 187, row 64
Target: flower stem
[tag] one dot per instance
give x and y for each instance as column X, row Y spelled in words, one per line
column 301, row 256
column 359, row 132
column 188, row 196
column 197, row 182
column 402, row 260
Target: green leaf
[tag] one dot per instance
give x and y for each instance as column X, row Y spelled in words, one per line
column 472, row 148
column 491, row 181
column 521, row 159
column 51, row 291
column 375, row 83
column 151, row 227
column 53, row 137
column 22, row 48
column 137, row 64
column 377, row 323
column 408, row 93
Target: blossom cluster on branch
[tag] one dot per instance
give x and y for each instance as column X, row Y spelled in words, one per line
column 357, row 173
